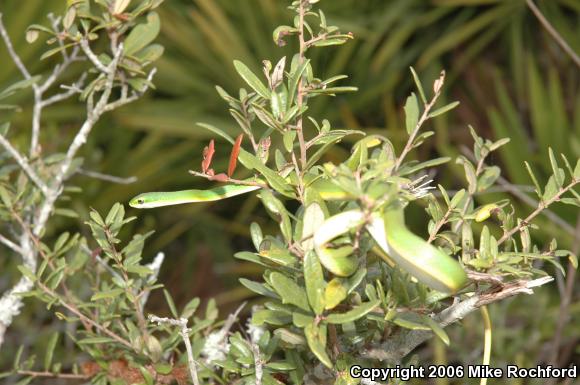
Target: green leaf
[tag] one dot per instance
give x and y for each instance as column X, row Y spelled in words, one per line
column 413, row 167
column 316, row 338
column 95, row 340
column 333, row 90
column 485, row 244
column 143, row 34
column 256, row 234
column 577, row 170
column 11, row 89
column 190, row 308
column 551, row 189
column 410, row 321
column 266, row 117
column 275, row 181
column 290, row 292
column 54, row 51
column 294, row 79
column 557, row 172
column 217, row 131
column 443, row 109
column 419, row 86
column 354, row 314
column 17, row 357
column 411, row 113
column 252, row 80
column 469, row 174
column 66, row 212
column 301, row 320
column 170, row 303
column 488, row 178
column 314, row 280
column 288, row 139
column 276, row 207
column 50, row 351
column 437, row 329
column 271, row 317
column 313, row 219
column 534, row 180
column 96, row 217
column 150, row 53
column 282, row 31
column 142, row 271
column 107, row 294
column 335, row 292
column 289, row 337
column 25, row 270
column 258, row 288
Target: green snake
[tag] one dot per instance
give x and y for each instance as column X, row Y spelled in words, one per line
column 425, row 262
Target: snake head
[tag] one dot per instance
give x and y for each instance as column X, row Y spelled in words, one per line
column 138, row 202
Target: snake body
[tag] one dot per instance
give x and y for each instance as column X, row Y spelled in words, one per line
column 428, row 264
column 170, row 198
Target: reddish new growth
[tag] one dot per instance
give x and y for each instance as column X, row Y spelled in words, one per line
column 234, row 155
column 208, row 152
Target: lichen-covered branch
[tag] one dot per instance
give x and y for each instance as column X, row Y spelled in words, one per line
column 405, row 341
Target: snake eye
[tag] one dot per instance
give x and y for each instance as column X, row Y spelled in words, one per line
column 140, row 201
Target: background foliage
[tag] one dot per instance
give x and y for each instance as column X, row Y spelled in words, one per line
column 510, row 76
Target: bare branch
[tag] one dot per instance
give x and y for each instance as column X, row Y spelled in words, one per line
column 11, row 245
column 518, row 192
column 108, row 178
column 11, row 52
column 541, row 207
column 421, row 121
column 404, row 342
column 184, row 332
column 70, row 91
column 93, row 115
column 552, row 31
column 23, row 163
column 136, row 95
column 64, row 376
column 11, row 301
column 259, row 370
column 92, row 57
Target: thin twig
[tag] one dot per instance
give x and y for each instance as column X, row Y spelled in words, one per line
column 108, row 178
column 258, row 369
column 7, row 242
column 12, row 52
column 92, row 57
column 552, row 31
column 184, row 332
column 65, row 376
column 73, row 309
column 422, row 119
column 541, row 207
column 70, row 91
column 300, row 96
column 518, row 192
column 23, row 163
column 136, row 95
column 78, row 141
